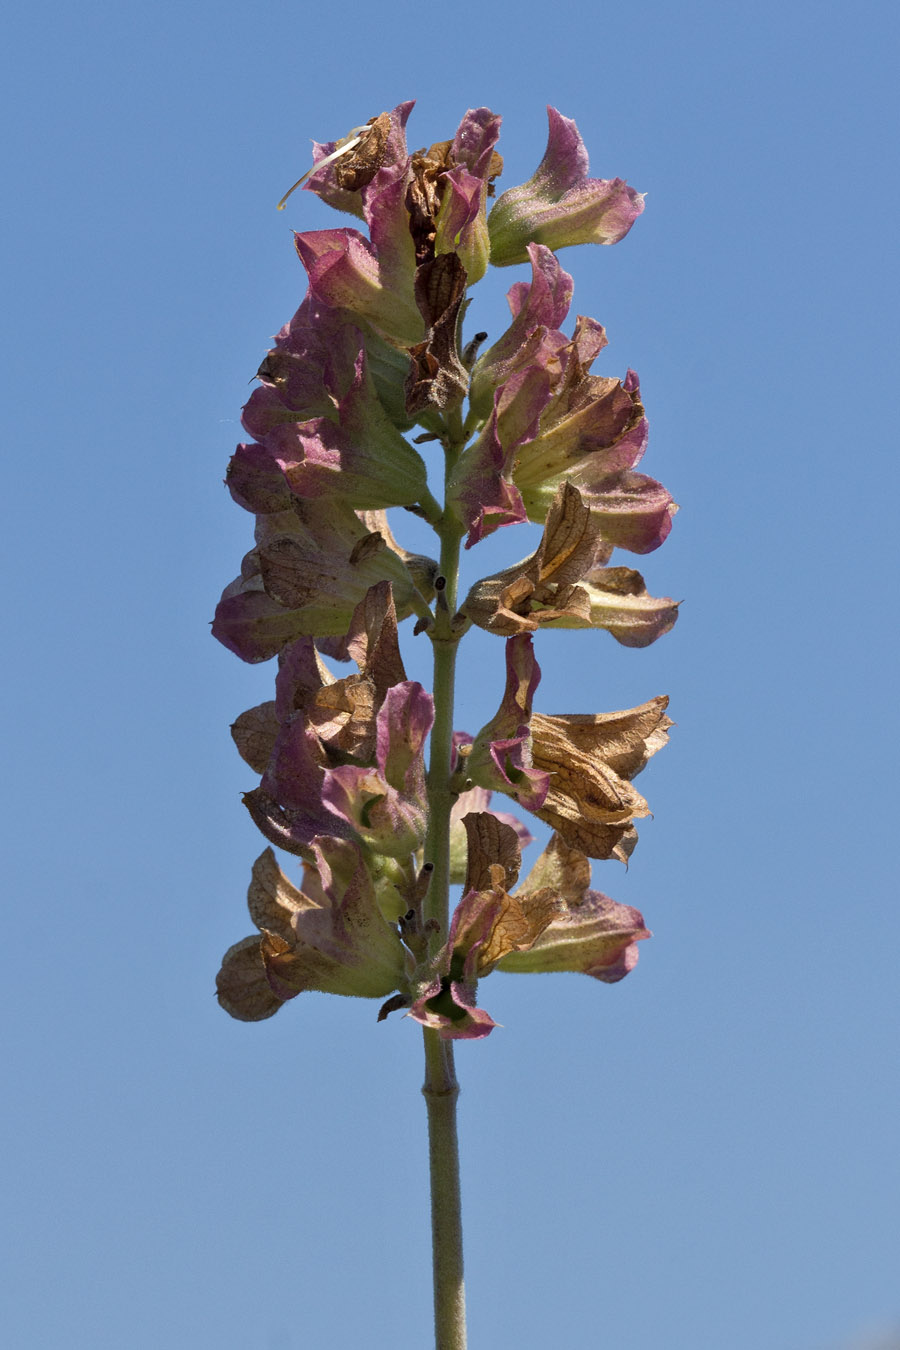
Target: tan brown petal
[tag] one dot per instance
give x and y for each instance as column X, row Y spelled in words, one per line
column 272, row 900
column 241, row 985
column 491, row 843
column 561, row 868
column 590, row 758
column 437, row 377
column 254, row 733
column 358, row 167
column 373, row 642
column 520, row 922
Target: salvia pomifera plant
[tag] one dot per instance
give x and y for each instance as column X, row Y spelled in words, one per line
column 362, row 776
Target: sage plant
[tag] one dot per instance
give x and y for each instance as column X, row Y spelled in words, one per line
column 375, row 362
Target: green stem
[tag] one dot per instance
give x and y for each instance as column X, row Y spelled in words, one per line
column 441, row 1091
column 440, row 1088
column 440, row 800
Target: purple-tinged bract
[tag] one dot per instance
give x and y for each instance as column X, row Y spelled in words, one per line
column 560, row 205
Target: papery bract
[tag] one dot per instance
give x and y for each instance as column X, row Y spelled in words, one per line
column 307, row 372
column 589, row 433
column 538, row 309
column 563, row 584
column 500, row 757
column 354, row 452
column 302, row 742
column 476, row 800
column 618, row 601
column 589, row 760
column 479, row 490
column 437, row 378
column 545, row 586
column 356, row 461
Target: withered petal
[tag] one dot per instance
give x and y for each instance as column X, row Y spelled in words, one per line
column 590, row 800
column 520, row 921
column 563, row 869
column 437, row 377
column 242, row 987
column 254, row 733
column 490, row 843
column 273, row 901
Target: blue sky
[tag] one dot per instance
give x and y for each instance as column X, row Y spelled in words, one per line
column 702, row 1156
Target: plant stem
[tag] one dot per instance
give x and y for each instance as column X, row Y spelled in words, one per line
column 441, row 1091
column 440, row 801
column 440, row 1088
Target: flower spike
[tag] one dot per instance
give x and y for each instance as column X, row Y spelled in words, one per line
column 528, row 432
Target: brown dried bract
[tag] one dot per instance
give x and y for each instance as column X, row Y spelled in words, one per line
column 491, row 843
column 254, row 733
column 423, row 201
column 273, row 900
column 561, row 868
column 439, row 153
column 343, row 712
column 373, row 641
column 590, row 759
column 437, row 377
column 284, row 567
column 495, row 169
column 543, row 587
column 242, row 987
column 275, row 822
column 366, row 548
column 519, row 923
column 359, row 166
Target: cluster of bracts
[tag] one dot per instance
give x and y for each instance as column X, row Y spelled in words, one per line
column 375, row 351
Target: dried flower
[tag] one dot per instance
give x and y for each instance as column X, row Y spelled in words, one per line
column 330, row 936
column 562, row 586
column 552, row 922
